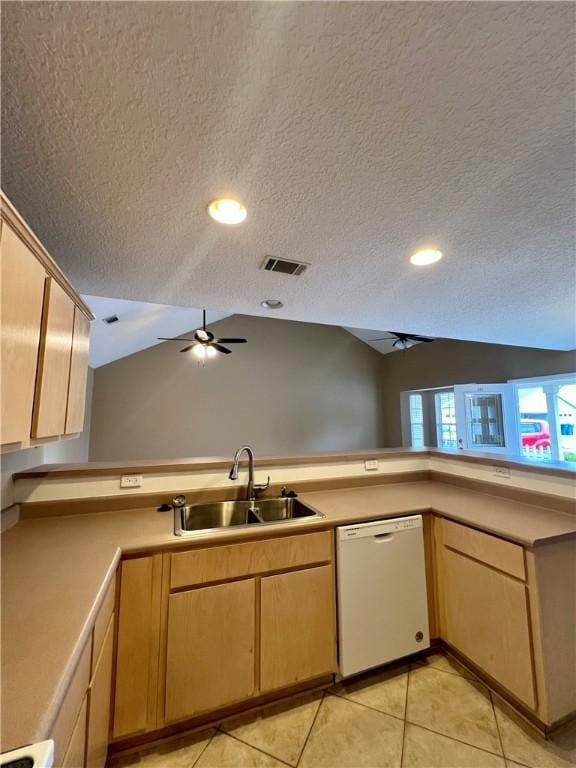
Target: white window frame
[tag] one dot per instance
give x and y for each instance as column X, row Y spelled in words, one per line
column 511, row 433
column 549, row 385
column 438, row 417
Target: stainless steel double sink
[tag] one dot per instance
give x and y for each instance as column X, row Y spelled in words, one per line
column 197, row 518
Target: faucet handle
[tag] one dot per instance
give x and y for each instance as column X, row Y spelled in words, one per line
column 261, row 488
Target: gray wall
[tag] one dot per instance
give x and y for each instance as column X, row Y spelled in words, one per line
column 294, row 387
column 60, row 452
column 446, row 362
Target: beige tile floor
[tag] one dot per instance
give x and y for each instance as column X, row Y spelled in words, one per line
column 431, row 714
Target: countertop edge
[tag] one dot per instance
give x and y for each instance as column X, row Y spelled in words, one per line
column 45, row 726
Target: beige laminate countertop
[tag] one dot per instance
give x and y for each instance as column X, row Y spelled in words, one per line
column 55, row 572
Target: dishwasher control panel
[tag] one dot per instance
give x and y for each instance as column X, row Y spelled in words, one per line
column 379, row 527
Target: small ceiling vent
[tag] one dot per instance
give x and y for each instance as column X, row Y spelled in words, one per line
column 285, row 266
column 110, row 320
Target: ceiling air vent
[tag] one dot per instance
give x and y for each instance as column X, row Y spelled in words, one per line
column 285, row 266
column 110, row 320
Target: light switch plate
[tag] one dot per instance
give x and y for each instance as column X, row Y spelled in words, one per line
column 502, row 471
column 370, row 465
column 131, row 481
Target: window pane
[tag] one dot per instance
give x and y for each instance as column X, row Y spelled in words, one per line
column 485, row 421
column 446, row 420
column 566, row 409
column 416, row 421
column 534, row 424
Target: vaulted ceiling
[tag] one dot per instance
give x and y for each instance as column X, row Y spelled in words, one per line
column 353, row 132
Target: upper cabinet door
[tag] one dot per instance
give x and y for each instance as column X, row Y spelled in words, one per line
column 78, row 373
column 53, row 363
column 21, row 314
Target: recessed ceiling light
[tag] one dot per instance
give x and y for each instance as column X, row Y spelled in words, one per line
column 425, row 257
column 227, row 211
column 271, row 304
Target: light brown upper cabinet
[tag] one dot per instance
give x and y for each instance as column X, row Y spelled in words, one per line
column 53, row 363
column 44, row 333
column 21, row 315
column 78, row 373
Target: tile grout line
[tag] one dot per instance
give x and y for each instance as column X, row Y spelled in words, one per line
column 366, row 706
column 468, row 676
column 251, row 746
column 497, row 726
column 205, row 748
column 311, row 727
column 453, row 738
column 405, row 716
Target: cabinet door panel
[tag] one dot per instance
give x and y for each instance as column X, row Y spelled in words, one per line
column 210, row 648
column 138, row 646
column 75, row 756
column 53, row 363
column 298, row 639
column 78, row 373
column 99, row 704
column 486, row 617
column 22, row 281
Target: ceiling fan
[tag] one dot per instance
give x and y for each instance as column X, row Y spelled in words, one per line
column 204, row 344
column 402, row 340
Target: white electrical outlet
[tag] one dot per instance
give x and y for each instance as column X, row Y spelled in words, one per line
column 131, row 481
column 370, row 465
column 502, row 471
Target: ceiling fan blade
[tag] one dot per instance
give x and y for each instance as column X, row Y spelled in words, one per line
column 384, row 338
column 230, row 341
column 220, row 348
column 162, row 338
column 420, row 338
column 187, row 349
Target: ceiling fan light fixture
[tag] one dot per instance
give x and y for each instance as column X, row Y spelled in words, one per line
column 425, row 257
column 271, row 304
column 226, row 210
column 203, row 351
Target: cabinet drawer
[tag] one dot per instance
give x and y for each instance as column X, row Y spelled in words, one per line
column 500, row 554
column 202, row 566
column 68, row 715
column 102, row 621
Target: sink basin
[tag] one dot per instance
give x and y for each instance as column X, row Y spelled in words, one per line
column 195, row 518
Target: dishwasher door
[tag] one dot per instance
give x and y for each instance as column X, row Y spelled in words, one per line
column 382, row 601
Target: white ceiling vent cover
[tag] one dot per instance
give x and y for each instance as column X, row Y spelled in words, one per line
column 285, row 266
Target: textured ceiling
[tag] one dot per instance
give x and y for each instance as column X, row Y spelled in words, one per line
column 353, row 132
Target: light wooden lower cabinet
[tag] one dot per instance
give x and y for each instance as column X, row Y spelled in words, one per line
column 99, row 700
column 211, row 646
column 486, row 617
column 75, row 754
column 298, row 638
column 137, row 654
column 187, row 646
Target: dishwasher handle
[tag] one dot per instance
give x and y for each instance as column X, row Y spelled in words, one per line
column 381, row 537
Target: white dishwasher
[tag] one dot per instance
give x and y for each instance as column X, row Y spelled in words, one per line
column 382, row 603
